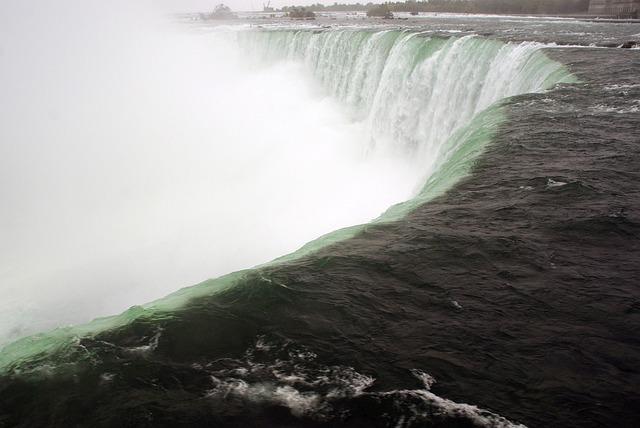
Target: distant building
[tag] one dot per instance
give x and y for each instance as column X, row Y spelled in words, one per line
column 615, row 8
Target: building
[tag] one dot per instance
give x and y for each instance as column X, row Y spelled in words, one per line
column 615, row 8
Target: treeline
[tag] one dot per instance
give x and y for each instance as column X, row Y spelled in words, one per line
column 300, row 12
column 550, row 7
column 336, row 7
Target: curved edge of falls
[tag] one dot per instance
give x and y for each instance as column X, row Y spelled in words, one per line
column 399, row 84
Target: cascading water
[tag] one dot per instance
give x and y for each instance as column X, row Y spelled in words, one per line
column 432, row 102
column 412, row 92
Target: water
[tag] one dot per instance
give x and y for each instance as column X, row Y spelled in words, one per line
column 140, row 204
column 389, row 85
column 498, row 295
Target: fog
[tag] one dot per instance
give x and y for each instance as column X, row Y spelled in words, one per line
column 138, row 156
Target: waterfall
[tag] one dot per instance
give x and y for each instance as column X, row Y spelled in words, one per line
column 413, row 92
column 434, row 102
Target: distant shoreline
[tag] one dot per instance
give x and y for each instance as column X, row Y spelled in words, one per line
column 360, row 15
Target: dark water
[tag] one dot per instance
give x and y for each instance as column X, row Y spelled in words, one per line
column 516, row 292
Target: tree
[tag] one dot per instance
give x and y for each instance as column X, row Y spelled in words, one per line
column 381, row 10
column 301, row 13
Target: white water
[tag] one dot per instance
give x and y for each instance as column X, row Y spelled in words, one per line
column 412, row 92
column 136, row 159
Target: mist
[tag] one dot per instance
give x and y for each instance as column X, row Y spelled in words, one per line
column 138, row 156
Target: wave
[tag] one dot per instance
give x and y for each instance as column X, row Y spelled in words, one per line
column 436, row 102
column 271, row 374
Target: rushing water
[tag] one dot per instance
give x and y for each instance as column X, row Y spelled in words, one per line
column 412, row 92
column 504, row 280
